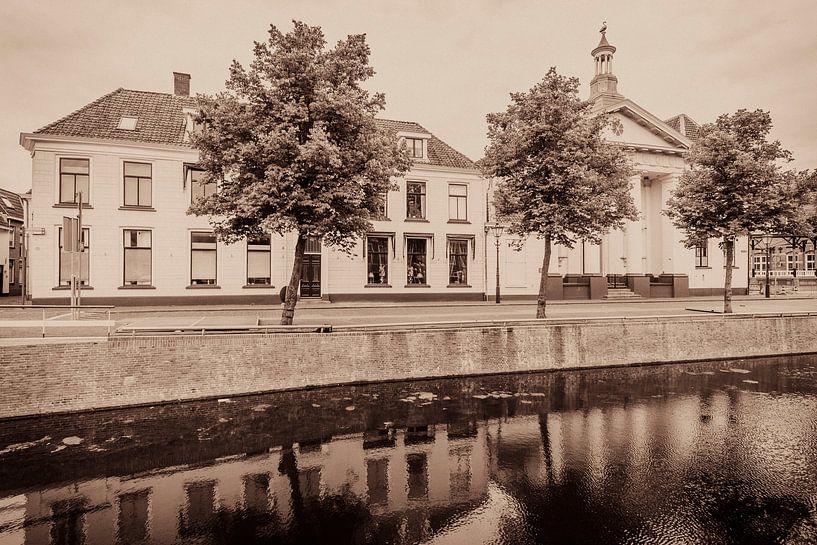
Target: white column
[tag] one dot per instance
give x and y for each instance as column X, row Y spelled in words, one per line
column 673, row 251
column 633, row 235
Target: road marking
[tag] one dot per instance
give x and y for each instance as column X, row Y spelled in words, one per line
column 197, row 321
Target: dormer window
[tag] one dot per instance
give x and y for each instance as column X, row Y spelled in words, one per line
column 127, row 123
column 415, row 147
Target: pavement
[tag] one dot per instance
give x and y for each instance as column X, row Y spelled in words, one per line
column 95, row 324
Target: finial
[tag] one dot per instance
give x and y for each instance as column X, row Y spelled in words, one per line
column 603, row 27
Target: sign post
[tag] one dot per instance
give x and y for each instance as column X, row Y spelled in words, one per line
column 72, row 247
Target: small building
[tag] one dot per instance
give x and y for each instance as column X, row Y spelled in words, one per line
column 788, row 261
column 126, row 159
column 647, row 257
column 12, row 243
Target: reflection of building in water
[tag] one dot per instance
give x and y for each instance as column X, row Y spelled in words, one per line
column 408, row 480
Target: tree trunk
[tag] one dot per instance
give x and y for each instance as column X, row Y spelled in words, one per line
column 543, row 281
column 294, row 281
column 727, row 287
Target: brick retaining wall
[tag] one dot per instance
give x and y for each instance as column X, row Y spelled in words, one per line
column 50, row 378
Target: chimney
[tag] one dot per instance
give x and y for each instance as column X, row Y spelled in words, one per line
column 181, row 84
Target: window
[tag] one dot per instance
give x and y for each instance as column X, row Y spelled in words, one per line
column 415, row 147
column 138, row 178
column 133, row 516
column 198, row 187
column 793, row 261
column 377, row 481
column 702, row 254
column 75, row 179
column 12, row 237
column 377, row 257
column 202, row 258
column 458, row 261
column 759, row 263
column 382, row 211
column 137, row 245
column 201, row 499
column 457, row 202
column 810, row 262
column 416, row 261
column 12, row 278
column 259, row 252
column 82, row 267
column 417, row 475
column 416, row 200
column 256, row 493
column 127, row 123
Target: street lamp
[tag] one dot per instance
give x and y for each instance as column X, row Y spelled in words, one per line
column 764, row 244
column 496, row 230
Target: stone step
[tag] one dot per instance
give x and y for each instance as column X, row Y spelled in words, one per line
column 621, row 293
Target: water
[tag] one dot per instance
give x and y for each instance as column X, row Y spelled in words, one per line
column 715, row 453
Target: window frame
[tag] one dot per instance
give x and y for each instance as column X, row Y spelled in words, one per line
column 139, row 181
column 422, row 200
column 86, row 199
column 410, row 266
column 702, row 255
column 460, row 200
column 125, row 248
column 385, row 254
column 189, row 174
column 464, row 280
column 214, row 282
column 250, row 250
column 412, row 145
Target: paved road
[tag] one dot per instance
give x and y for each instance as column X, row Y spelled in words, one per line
column 359, row 314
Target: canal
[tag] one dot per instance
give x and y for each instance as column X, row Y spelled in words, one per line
column 712, row 453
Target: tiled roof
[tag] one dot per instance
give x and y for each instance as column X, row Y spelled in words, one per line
column 439, row 153
column 11, row 204
column 160, row 120
column 685, row 125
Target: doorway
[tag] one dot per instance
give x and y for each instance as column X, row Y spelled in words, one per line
column 311, row 269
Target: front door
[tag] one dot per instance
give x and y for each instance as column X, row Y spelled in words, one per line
column 311, row 276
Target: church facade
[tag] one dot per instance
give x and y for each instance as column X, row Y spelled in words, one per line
column 647, row 257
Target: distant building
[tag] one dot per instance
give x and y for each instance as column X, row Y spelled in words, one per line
column 647, row 257
column 12, row 243
column 128, row 155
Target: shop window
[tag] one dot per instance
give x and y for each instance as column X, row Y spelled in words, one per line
column 377, row 260
column 416, row 260
column 457, row 261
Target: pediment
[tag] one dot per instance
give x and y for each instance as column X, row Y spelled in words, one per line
column 635, row 127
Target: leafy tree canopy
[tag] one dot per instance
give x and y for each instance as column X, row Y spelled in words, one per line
column 293, row 144
column 735, row 183
column 559, row 178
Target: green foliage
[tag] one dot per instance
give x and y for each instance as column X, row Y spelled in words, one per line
column 559, row 178
column 734, row 185
column 801, row 219
column 293, row 144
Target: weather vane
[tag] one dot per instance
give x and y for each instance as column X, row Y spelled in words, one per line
column 603, row 27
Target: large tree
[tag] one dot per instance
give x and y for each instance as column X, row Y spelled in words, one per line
column 294, row 147
column 734, row 186
column 559, row 180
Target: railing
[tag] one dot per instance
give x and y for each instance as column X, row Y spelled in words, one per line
column 41, row 318
column 784, row 273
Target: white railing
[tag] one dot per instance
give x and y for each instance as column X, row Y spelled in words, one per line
column 801, row 273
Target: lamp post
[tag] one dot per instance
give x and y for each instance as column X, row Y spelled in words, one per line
column 496, row 230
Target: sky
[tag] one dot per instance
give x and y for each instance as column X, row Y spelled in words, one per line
column 444, row 64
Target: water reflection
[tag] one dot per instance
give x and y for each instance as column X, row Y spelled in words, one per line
column 724, row 452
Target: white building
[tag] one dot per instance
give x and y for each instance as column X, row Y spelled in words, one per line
column 646, row 258
column 128, row 155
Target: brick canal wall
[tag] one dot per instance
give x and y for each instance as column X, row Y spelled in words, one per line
column 38, row 379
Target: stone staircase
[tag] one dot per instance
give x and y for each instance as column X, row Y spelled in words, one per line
column 618, row 294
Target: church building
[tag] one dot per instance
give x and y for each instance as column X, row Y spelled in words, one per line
column 646, row 258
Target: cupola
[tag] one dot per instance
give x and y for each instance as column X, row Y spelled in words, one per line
column 604, row 83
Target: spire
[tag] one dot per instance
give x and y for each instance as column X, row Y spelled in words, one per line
column 604, row 84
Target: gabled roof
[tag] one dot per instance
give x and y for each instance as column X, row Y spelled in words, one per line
column 643, row 117
column 685, row 125
column 161, row 120
column 439, row 153
column 11, row 205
